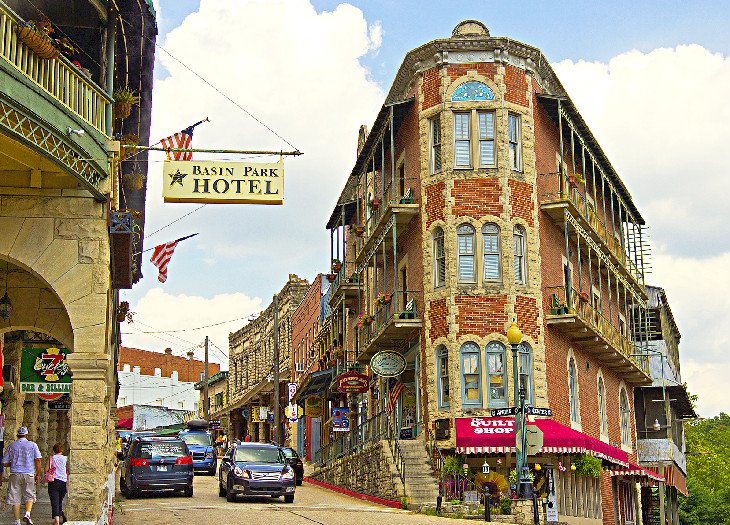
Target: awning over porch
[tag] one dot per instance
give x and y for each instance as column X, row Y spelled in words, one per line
column 676, row 478
column 125, row 424
column 316, row 384
column 489, row 435
column 637, row 472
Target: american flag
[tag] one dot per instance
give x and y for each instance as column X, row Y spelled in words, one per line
column 161, row 257
column 396, row 390
column 180, row 140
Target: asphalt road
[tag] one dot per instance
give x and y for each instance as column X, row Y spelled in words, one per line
column 312, row 505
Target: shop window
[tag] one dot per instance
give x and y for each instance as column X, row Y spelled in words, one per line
column 526, row 382
column 496, row 375
column 471, row 376
column 490, row 242
column 439, row 258
column 520, row 262
column 442, row 366
column 467, row 261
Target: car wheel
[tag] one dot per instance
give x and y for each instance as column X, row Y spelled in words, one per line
column 300, row 481
column 230, row 497
column 189, row 492
column 289, row 498
column 123, row 488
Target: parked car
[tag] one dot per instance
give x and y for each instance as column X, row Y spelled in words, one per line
column 131, row 436
column 296, row 463
column 200, row 444
column 256, row 469
column 156, row 463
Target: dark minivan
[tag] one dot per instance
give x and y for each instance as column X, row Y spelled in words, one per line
column 256, row 469
column 296, row 463
column 156, row 463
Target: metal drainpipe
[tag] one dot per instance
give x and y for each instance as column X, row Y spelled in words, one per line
column 111, row 34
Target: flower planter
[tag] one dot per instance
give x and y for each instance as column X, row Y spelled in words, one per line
column 38, row 42
column 122, row 110
column 374, row 203
column 359, row 231
column 331, row 277
column 584, row 296
column 134, row 181
column 336, row 266
column 572, row 181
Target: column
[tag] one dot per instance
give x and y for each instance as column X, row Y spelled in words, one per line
column 52, row 429
column 41, row 435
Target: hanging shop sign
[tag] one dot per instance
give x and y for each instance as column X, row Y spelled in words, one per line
column 50, row 397
column 340, row 419
column 313, row 406
column 218, row 182
column 255, row 414
column 45, row 370
column 388, row 364
column 292, row 389
column 293, row 412
column 63, row 403
column 352, row 382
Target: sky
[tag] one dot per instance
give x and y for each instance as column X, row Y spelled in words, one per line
column 652, row 80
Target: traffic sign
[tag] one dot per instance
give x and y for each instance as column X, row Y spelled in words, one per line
column 538, row 411
column 501, row 412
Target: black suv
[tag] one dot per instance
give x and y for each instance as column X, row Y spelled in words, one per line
column 156, row 463
column 296, row 463
column 256, row 469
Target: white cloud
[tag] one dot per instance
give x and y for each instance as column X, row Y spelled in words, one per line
column 158, row 311
column 663, row 118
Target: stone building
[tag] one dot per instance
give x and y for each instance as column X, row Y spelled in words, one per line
column 70, row 223
column 251, row 366
column 164, row 364
column 217, row 399
column 480, row 198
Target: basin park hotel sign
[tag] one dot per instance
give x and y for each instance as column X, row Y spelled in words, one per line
column 216, row 182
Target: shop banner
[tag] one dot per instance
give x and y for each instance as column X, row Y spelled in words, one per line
column 352, row 382
column 45, row 370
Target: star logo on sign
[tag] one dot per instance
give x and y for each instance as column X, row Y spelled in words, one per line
column 177, row 177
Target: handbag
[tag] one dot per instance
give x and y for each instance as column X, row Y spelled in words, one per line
column 50, row 473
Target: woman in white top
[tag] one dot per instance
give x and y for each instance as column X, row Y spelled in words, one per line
column 57, row 487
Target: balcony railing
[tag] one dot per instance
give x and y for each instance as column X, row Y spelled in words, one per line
column 59, row 78
column 392, row 324
column 576, row 315
column 344, row 286
column 571, row 195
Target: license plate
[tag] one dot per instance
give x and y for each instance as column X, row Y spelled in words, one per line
column 162, row 468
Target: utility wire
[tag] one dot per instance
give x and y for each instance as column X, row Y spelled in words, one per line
column 197, row 328
column 173, row 222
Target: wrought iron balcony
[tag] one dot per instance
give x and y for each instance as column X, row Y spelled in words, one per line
column 345, row 288
column 590, row 328
column 391, row 326
column 566, row 195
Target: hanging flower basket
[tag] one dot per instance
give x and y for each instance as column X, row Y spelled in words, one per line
column 584, row 296
column 122, row 110
column 384, row 298
column 134, row 181
column 374, row 202
column 129, row 139
column 365, row 320
column 336, row 265
column 37, row 37
column 359, row 231
column 573, row 181
column 122, row 311
column 124, row 99
column 331, row 277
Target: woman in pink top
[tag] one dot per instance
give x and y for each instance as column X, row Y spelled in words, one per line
column 57, row 487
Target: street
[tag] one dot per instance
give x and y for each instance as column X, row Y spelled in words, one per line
column 311, row 505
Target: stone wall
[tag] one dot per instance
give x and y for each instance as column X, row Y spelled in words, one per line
column 367, row 472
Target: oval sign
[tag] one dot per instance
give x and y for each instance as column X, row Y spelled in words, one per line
column 352, row 382
column 313, row 406
column 388, row 364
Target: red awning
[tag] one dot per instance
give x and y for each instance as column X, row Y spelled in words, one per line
column 637, row 472
column 125, row 423
column 488, row 435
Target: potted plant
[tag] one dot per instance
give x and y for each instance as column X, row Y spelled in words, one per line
column 336, row 265
column 124, row 99
column 584, row 296
column 384, row 298
column 339, row 352
column 364, row 320
column 122, row 311
column 586, row 465
column 37, row 36
column 359, row 231
column 573, row 181
column 374, row 202
column 130, row 139
column 331, row 277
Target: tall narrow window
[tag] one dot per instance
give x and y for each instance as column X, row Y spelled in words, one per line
column 603, row 419
column 467, row 260
column 514, row 135
column 520, row 266
column 442, row 365
column 471, row 376
column 573, row 390
column 486, row 138
column 436, row 144
column 439, row 258
column 526, row 372
column 490, row 241
column 496, row 375
column 623, row 406
column 462, row 140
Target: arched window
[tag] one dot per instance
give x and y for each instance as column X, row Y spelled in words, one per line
column 520, row 263
column 496, row 375
column 526, row 382
column 490, row 241
column 442, row 367
column 602, row 418
column 573, row 388
column 472, row 90
column 623, row 406
column 471, row 376
column 467, row 260
column 439, row 258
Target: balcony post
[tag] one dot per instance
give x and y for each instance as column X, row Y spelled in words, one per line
column 392, row 158
column 395, row 263
column 111, row 34
column 580, row 262
column 560, row 168
column 382, row 165
column 385, row 270
column 569, row 277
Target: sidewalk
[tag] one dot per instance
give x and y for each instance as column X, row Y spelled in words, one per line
column 41, row 509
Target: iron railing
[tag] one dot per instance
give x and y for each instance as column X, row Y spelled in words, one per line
column 451, row 486
column 403, row 305
column 59, row 78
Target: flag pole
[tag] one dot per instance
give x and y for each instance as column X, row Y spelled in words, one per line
column 176, row 240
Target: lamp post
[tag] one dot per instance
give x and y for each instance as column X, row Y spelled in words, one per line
column 514, row 336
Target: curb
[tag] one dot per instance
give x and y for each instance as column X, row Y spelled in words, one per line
column 358, row 495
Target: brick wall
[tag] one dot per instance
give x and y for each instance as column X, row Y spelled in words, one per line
column 514, row 78
column 438, row 314
column 476, row 197
column 521, row 200
column 147, row 361
column 305, row 326
column 480, row 314
column 527, row 312
column 486, row 69
column 435, row 202
column 431, row 88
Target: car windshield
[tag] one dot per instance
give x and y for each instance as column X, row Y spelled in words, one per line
column 289, row 453
column 163, row 449
column 258, row 455
column 199, row 439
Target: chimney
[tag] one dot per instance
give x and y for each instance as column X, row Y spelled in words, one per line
column 167, row 372
column 190, row 355
column 168, row 351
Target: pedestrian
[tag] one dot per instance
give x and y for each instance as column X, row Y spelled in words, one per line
column 57, row 488
column 247, row 438
column 24, row 460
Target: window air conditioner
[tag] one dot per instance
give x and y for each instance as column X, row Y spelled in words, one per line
column 299, row 367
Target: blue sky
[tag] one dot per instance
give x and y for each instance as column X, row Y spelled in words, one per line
column 315, row 70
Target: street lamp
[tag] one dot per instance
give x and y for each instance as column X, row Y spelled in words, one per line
column 524, row 489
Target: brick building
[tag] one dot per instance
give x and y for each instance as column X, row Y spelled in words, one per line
column 480, row 198
column 150, row 363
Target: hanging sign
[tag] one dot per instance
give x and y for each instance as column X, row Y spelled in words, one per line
column 292, row 389
column 45, row 370
column 388, row 364
column 219, row 182
column 293, row 412
column 64, row 403
column 256, row 414
column 340, row 419
column 313, row 406
column 352, row 382
column 50, row 397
